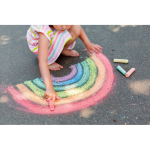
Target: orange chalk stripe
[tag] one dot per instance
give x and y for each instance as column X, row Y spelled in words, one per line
column 130, row 72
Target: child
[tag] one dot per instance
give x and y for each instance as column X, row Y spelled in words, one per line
column 47, row 42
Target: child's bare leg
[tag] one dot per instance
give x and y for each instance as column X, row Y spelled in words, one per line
column 54, row 66
column 75, row 31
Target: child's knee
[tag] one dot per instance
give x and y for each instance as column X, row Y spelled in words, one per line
column 75, row 30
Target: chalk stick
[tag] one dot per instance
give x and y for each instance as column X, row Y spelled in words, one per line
column 51, row 105
column 121, row 70
column 130, row 72
column 121, row 60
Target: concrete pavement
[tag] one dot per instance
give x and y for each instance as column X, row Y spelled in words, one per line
column 127, row 101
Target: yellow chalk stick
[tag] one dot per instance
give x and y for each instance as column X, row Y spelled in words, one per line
column 121, row 60
column 130, row 72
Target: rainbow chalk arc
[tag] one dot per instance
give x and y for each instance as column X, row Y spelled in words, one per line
column 88, row 83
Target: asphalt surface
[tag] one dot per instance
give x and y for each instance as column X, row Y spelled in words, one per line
column 128, row 102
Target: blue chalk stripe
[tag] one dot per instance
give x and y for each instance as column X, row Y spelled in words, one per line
column 73, row 80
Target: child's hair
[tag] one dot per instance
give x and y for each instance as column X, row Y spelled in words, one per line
column 50, row 25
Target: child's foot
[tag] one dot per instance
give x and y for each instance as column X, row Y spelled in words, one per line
column 54, row 66
column 72, row 53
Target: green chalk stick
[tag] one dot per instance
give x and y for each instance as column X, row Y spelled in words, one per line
column 121, row 70
column 121, row 60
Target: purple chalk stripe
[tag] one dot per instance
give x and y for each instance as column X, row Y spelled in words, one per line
column 67, row 77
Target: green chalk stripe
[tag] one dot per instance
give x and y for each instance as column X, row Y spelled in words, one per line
column 34, row 88
column 121, row 70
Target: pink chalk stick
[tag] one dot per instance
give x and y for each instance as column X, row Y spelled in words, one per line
column 130, row 72
column 51, row 105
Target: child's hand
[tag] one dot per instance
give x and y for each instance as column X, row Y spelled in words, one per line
column 50, row 95
column 91, row 46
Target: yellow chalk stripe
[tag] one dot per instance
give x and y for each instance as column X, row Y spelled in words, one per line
column 31, row 96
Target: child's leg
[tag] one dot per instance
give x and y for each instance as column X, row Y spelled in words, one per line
column 75, row 31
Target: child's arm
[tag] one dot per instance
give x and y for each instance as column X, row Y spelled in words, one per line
column 42, row 59
column 90, row 46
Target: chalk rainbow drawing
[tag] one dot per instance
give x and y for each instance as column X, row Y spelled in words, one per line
column 86, row 85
